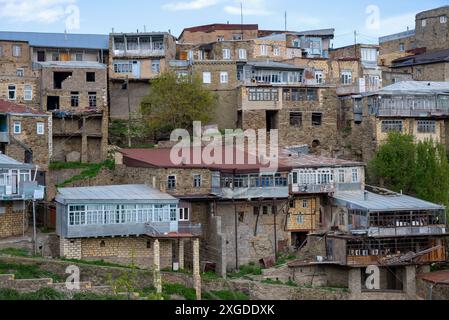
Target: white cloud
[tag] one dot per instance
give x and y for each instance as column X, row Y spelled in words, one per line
column 190, row 5
column 43, row 11
column 250, row 8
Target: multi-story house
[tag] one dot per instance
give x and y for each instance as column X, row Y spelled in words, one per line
column 134, row 60
column 18, row 81
column 218, row 32
column 418, row 108
column 72, row 79
column 18, row 186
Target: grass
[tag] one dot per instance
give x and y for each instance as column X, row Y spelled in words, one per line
column 180, row 290
column 271, row 281
column 24, row 271
column 40, row 295
column 248, row 270
column 210, row 275
column 90, row 170
column 99, row 263
column 230, row 295
column 283, row 259
column 15, row 252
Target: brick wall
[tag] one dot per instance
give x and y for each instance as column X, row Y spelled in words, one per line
column 12, row 222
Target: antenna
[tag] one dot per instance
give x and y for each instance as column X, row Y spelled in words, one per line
column 285, row 20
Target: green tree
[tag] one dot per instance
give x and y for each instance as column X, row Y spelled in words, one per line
column 432, row 173
column 394, row 164
column 176, row 103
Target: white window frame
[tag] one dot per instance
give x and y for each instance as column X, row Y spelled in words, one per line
column 197, row 181
column 224, row 77
column 12, row 90
column 424, row 23
column 305, row 203
column 16, row 50
column 123, row 67
column 443, row 19
column 264, row 50
column 341, row 176
column 156, row 66
column 184, row 214
column 168, row 182
column 319, row 76
column 355, row 176
column 346, row 77
column 93, row 101
column 40, row 128
column 242, row 54
column 226, row 54
column 28, row 92
column 207, row 78
column 276, row 51
column 17, row 127
column 20, row 72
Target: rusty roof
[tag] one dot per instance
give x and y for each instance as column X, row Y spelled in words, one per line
column 288, row 160
column 10, row 107
column 439, row 277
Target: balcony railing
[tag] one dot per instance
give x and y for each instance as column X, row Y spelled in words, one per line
column 24, row 191
column 140, row 53
column 251, row 193
column 313, row 188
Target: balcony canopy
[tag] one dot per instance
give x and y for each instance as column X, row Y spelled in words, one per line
column 9, row 163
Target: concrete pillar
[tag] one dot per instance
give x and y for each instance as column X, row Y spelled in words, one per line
column 410, row 282
column 84, row 143
column 196, row 268
column 157, row 280
column 181, row 254
column 355, row 282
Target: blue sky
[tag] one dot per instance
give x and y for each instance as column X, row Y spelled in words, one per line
column 100, row 16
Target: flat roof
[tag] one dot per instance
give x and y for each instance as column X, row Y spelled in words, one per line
column 414, row 88
column 355, row 200
column 72, row 64
column 59, row 40
column 397, row 36
column 112, row 193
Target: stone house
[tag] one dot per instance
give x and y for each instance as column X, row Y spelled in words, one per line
column 218, row 32
column 18, row 81
column 135, row 59
column 18, row 186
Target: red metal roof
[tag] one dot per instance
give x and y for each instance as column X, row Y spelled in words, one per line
column 222, row 26
column 10, row 107
column 439, row 277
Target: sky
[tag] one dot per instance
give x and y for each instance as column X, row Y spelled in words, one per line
column 370, row 18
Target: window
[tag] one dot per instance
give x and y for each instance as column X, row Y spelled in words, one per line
column 299, row 219
column 259, row 94
column 264, row 50
column 305, row 204
column 197, row 181
column 17, row 51
column 171, row 182
column 264, row 210
column 237, row 36
column 184, row 214
column 443, row 19
column 12, row 92
column 92, row 99
column 200, row 55
column 256, row 211
column 220, row 38
column 207, row 78
column 40, row 128
column 402, row 47
column 224, row 77
column 392, row 126
column 426, row 126
column 90, row 76
column 355, row 175
column 317, row 119
column 78, row 57
column 74, row 99
column 123, row 67
column 20, row 72
column 156, row 66
column 296, row 43
column 319, row 76
column 276, row 51
column 41, row 56
column 17, row 127
column 424, row 23
column 242, row 54
column 55, row 56
column 27, row 92
column 346, row 77
column 226, row 54
column 369, row 54
column 295, row 119
column 295, row 178
column 341, row 176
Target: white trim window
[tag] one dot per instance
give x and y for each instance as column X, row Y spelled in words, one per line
column 264, row 50
column 20, row 72
column 224, row 77
column 171, row 182
column 346, row 77
column 197, row 181
column 123, row 67
column 12, row 92
column 276, row 51
column 242, row 54
column 17, row 127
column 184, row 214
column 226, row 54
column 28, row 92
column 341, row 176
column 319, row 76
column 41, row 128
column 424, row 23
column 443, row 19
column 92, row 99
column 355, row 176
column 156, row 66
column 16, row 50
column 207, row 78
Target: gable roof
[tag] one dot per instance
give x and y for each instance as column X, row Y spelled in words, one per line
column 59, row 40
column 426, row 58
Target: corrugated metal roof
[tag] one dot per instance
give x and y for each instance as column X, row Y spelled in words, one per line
column 441, row 56
column 273, row 64
column 72, row 64
column 382, row 203
column 112, row 193
column 415, row 88
column 397, row 36
column 59, row 40
column 9, row 162
column 275, row 37
column 439, row 277
column 320, row 32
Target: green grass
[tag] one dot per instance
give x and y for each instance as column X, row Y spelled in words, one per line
column 40, row 295
column 210, row 275
column 90, row 170
column 24, row 271
column 271, row 281
column 230, row 295
column 180, row 290
column 248, row 270
column 16, row 252
column 99, row 263
column 283, row 259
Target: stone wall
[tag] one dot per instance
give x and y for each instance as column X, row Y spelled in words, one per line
column 434, row 34
column 13, row 222
column 119, row 98
column 197, row 37
column 427, row 72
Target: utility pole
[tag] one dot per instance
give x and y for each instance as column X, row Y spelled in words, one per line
column 285, row 20
column 129, row 112
column 241, row 17
column 355, row 43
